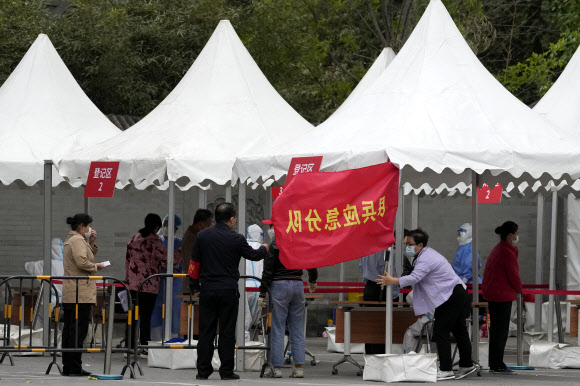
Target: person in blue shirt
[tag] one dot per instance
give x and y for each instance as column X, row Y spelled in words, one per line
column 463, row 261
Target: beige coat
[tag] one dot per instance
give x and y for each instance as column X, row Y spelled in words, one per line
column 79, row 260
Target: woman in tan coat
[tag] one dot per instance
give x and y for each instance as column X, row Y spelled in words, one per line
column 78, row 260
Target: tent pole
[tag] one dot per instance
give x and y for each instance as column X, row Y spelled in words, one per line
column 552, row 263
column 87, row 205
column 241, row 322
column 341, row 279
column 170, row 253
column 228, row 192
column 46, row 269
column 414, row 211
column 474, row 266
column 202, row 199
column 396, row 254
column 539, row 261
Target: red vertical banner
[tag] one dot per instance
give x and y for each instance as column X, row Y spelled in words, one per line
column 101, row 180
column 328, row 218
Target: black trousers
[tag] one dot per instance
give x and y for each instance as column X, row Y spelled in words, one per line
column 73, row 336
column 450, row 318
column 499, row 319
column 146, row 306
column 217, row 306
column 373, row 292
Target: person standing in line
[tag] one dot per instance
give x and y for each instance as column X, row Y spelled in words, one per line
column 201, row 220
column 288, row 304
column 501, row 286
column 214, row 273
column 157, row 315
column 146, row 255
column 79, row 252
column 436, row 286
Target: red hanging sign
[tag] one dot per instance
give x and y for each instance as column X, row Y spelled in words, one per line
column 328, row 218
column 298, row 165
column 101, row 180
column 302, row 165
column 487, row 195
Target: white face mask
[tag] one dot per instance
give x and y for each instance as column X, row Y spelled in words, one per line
column 271, row 234
column 410, row 251
column 515, row 241
column 163, row 231
column 462, row 239
column 88, row 234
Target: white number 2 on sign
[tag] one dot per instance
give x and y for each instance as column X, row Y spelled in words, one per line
column 101, row 187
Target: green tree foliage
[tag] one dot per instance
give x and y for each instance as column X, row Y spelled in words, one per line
column 531, row 78
column 129, row 54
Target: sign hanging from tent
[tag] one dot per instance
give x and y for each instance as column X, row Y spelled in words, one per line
column 487, row 195
column 298, row 165
column 324, row 219
column 101, row 180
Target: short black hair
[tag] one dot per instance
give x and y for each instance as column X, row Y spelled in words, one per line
column 79, row 219
column 405, row 232
column 505, row 229
column 224, row 212
column 419, row 236
column 152, row 221
column 202, row 215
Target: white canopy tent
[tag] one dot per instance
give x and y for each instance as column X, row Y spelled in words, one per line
column 442, row 117
column 43, row 114
column 223, row 107
column 561, row 106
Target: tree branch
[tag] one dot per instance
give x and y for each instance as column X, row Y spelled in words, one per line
column 387, row 12
column 377, row 29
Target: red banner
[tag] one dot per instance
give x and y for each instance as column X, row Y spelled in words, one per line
column 328, row 218
column 487, row 195
column 277, row 191
column 102, row 178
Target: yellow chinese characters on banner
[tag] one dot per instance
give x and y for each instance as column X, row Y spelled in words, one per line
column 334, row 220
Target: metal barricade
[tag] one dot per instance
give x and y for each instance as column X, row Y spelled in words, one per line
column 54, row 315
column 190, row 318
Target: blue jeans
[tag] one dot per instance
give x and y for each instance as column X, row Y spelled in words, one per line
column 287, row 299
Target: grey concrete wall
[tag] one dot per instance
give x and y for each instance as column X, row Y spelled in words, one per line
column 117, row 219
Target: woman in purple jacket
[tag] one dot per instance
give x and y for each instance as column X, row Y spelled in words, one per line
column 437, row 286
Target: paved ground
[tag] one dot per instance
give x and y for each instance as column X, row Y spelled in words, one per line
column 30, row 370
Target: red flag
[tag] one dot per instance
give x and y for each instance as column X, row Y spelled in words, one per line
column 327, row 218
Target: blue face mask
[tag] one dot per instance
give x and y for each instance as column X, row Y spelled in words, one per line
column 410, row 251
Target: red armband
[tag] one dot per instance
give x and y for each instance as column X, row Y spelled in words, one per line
column 193, row 270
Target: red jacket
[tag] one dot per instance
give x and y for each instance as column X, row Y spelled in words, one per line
column 501, row 277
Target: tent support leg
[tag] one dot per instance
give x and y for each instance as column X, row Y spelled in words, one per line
column 241, row 322
column 552, row 264
column 46, row 270
column 170, row 253
column 474, row 267
column 539, row 262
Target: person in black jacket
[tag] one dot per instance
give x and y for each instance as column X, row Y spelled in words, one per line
column 288, row 303
column 214, row 273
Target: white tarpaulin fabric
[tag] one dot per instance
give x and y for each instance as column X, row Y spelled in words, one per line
column 223, row 107
column 561, row 105
column 554, row 355
column 44, row 114
column 437, row 113
column 400, row 368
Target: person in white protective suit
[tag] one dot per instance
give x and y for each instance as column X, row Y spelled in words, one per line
column 463, row 261
column 255, row 238
column 56, row 269
column 410, row 340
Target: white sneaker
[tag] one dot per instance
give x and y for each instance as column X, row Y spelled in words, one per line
column 297, row 372
column 445, row 375
column 273, row 372
column 465, row 371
